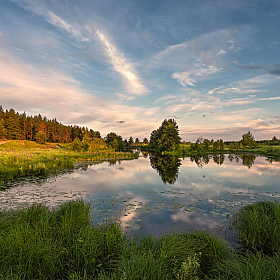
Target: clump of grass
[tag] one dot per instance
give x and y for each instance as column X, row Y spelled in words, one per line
column 175, row 256
column 39, row 243
column 250, row 265
column 258, row 226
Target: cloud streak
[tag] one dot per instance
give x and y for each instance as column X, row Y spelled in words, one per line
column 37, row 8
column 122, row 66
column 273, row 70
column 189, row 78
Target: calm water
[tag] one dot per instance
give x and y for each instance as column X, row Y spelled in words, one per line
column 158, row 194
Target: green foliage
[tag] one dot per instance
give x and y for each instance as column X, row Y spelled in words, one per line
column 15, row 126
column 258, row 226
column 166, row 137
column 175, row 256
column 130, row 141
column 76, row 145
column 231, row 146
column 137, row 142
column 2, row 129
column 41, row 137
column 97, row 144
column 114, row 144
column 115, row 141
column 248, row 140
column 145, row 141
column 206, row 144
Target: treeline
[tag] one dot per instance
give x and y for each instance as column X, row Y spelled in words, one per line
column 248, row 141
column 15, row 126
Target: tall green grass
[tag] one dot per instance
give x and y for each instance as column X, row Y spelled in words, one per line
column 258, row 226
column 38, row 242
column 26, row 158
column 250, row 265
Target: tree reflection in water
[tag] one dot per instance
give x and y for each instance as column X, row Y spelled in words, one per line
column 200, row 160
column 247, row 159
column 219, row 158
column 167, row 167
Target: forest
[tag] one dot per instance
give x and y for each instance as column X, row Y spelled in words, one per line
column 15, row 126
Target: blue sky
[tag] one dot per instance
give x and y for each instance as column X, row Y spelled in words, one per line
column 125, row 66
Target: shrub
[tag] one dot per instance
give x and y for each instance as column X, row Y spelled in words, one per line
column 41, row 137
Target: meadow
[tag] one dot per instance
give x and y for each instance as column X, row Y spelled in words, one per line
column 38, row 242
column 20, row 158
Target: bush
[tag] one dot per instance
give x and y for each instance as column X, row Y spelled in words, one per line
column 41, row 137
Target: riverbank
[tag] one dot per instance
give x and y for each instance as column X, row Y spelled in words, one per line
column 38, row 242
column 28, row 158
column 272, row 152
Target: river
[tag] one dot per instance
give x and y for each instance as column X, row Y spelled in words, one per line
column 157, row 195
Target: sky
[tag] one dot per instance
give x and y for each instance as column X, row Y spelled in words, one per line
column 126, row 65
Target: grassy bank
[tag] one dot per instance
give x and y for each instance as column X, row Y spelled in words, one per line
column 272, row 152
column 42, row 243
column 27, row 158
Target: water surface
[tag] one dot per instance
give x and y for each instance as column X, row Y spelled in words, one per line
column 158, row 195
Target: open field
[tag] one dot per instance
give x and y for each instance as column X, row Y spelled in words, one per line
column 25, row 158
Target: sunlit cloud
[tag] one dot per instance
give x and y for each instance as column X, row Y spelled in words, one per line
column 191, row 77
column 122, row 66
column 84, row 64
column 59, row 96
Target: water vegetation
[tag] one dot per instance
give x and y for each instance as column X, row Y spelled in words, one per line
column 28, row 158
column 39, row 242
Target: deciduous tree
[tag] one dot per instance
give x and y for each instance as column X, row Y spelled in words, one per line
column 41, row 137
column 166, row 137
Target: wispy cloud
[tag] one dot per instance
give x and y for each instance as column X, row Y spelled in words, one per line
column 60, row 23
column 273, row 70
column 192, row 76
column 38, row 8
column 57, row 95
column 122, row 66
column 194, row 60
column 252, row 85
